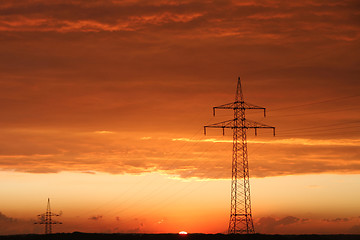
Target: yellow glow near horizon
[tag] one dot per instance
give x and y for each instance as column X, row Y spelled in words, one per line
column 162, row 203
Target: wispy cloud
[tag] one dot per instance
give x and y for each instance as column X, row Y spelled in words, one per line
column 290, row 141
column 337, row 220
column 96, row 218
column 10, row 225
column 208, row 18
column 268, row 224
column 48, row 152
column 298, row 225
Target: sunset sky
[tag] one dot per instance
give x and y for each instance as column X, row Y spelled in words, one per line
column 103, row 104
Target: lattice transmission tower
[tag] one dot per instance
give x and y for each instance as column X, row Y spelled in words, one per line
column 240, row 214
column 46, row 219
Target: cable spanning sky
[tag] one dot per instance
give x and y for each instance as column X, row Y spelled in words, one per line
column 103, row 103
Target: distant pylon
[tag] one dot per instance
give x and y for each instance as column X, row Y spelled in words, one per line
column 240, row 215
column 45, row 218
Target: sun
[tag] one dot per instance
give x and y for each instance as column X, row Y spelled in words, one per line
column 183, row 233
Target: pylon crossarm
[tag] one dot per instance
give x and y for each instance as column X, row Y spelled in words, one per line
column 45, row 219
column 256, row 125
column 252, row 106
column 239, row 105
column 224, row 106
column 223, row 125
column 56, row 222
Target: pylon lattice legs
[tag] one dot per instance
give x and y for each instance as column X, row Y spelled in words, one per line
column 240, row 213
column 46, row 219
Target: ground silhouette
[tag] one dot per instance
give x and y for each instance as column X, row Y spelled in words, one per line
column 98, row 236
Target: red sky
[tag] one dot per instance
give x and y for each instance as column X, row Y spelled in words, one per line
column 124, row 87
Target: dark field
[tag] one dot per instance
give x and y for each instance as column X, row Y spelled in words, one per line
column 94, row 236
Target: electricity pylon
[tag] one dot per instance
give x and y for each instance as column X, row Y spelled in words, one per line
column 240, row 214
column 45, row 218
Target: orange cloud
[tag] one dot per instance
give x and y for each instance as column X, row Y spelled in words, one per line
column 290, row 141
column 115, row 152
column 82, row 83
column 295, row 225
column 244, row 20
column 9, row 225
